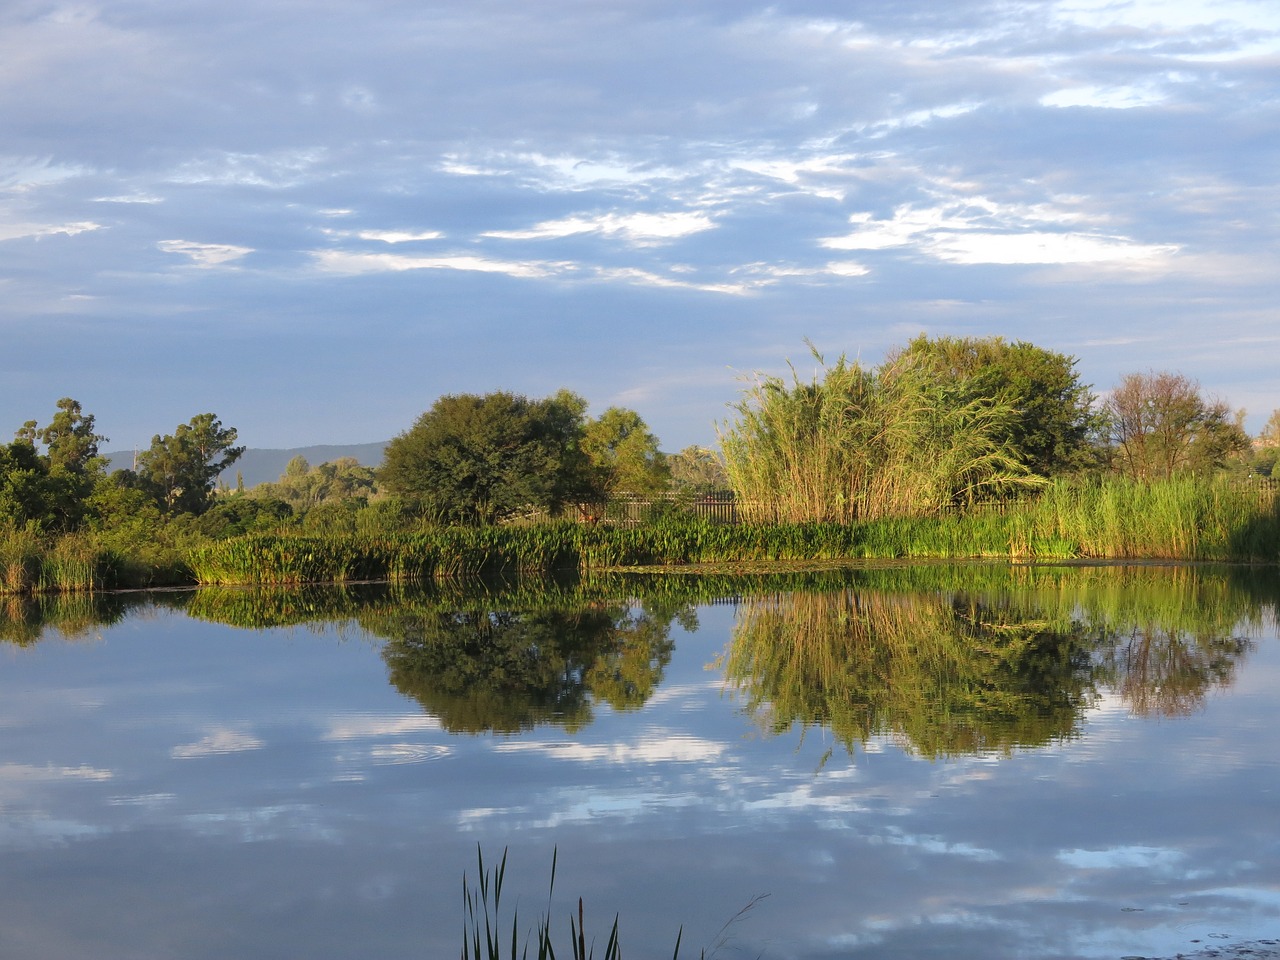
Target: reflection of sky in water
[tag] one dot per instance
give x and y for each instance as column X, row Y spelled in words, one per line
column 181, row 789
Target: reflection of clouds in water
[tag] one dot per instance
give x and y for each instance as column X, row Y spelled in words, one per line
column 657, row 748
column 217, row 743
column 1123, row 858
column 255, row 824
column 691, row 696
column 48, row 772
column 361, row 726
column 33, row 831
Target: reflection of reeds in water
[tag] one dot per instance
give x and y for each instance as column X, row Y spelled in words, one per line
column 939, row 676
column 954, row 671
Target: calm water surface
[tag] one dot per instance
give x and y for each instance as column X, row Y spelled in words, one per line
column 960, row 763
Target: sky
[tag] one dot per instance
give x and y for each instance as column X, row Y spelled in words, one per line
column 313, row 218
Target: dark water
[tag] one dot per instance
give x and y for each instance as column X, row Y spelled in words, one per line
column 937, row 762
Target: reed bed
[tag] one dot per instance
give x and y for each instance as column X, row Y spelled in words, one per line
column 1183, row 519
column 863, row 443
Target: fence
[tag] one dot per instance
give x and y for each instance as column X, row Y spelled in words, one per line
column 720, row 506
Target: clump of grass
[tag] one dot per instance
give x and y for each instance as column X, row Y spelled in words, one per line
column 20, row 554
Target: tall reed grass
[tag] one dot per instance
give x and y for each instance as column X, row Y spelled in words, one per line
column 485, row 935
column 862, row 444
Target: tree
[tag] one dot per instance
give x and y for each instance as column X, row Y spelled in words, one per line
column 476, row 459
column 49, row 488
column 1053, row 422
column 1159, row 425
column 624, row 453
column 180, row 469
column 1266, row 449
column 698, row 470
column 1270, row 435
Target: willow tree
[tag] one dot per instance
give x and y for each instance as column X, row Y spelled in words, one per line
column 863, row 443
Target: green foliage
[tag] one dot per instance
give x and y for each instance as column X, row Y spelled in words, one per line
column 482, row 668
column 480, row 459
column 976, row 663
column 864, row 443
column 47, row 489
column 180, row 469
column 624, row 453
column 1053, row 422
column 303, row 486
column 237, row 515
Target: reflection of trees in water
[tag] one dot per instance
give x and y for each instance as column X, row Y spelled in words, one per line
column 946, row 672
column 943, row 676
column 1161, row 673
column 505, row 671
column 24, row 620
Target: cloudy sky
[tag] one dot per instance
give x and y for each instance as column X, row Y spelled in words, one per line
column 314, row 217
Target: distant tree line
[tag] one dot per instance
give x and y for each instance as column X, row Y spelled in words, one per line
column 940, row 423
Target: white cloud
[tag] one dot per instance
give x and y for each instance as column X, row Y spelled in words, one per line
column 399, row 236
column 1042, row 248
column 205, row 254
column 1111, row 98
column 635, row 275
column 352, row 264
column 977, row 230
column 279, row 169
column 18, row 231
column 642, row 229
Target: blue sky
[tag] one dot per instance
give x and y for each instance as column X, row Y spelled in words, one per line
column 314, row 217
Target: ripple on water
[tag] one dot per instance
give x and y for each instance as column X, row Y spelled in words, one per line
column 399, row 753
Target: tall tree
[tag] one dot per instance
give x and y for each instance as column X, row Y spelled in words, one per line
column 477, row 459
column 624, row 453
column 1053, row 422
column 181, row 469
column 1160, row 425
column 49, row 487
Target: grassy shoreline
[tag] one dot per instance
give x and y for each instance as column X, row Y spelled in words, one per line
column 1178, row 521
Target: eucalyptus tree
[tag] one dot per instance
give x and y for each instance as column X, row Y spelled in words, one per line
column 48, row 474
column 181, row 469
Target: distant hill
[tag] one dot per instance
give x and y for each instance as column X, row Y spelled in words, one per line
column 266, row 465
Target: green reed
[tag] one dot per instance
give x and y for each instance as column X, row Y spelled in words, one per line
column 484, row 931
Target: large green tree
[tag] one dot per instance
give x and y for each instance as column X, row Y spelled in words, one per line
column 624, row 453
column 181, row 469
column 477, row 459
column 1053, row 423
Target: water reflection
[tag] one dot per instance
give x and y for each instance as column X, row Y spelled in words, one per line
column 952, row 671
column 508, row 670
column 945, row 660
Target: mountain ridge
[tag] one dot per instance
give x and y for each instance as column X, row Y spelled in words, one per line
column 266, row 464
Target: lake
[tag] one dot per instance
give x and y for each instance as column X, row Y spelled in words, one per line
column 976, row 761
